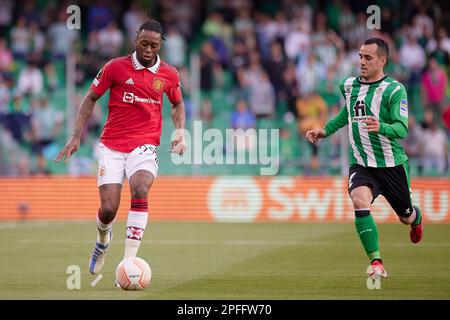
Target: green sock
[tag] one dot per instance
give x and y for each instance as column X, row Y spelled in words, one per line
column 368, row 233
column 418, row 219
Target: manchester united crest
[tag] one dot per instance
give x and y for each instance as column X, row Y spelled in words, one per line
column 158, row 84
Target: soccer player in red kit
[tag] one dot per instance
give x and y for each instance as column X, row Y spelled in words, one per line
column 131, row 134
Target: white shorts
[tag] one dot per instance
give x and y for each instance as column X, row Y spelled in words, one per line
column 114, row 166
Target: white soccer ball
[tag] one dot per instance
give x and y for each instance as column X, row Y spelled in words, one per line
column 133, row 274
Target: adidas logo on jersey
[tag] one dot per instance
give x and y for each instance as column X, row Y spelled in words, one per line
column 129, row 81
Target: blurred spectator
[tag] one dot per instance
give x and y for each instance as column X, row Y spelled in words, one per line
column 209, row 64
column 346, row 21
column 347, row 62
column 243, row 21
column 30, row 12
column 239, row 56
column 251, row 73
column 93, row 43
column 110, row 41
column 333, row 11
column 211, row 26
column 174, row 47
column 336, row 141
column 327, row 49
column 206, row 111
column 359, row 32
column 319, row 34
column 411, row 142
column 40, row 169
column 87, row 66
column 100, row 14
column 297, row 42
column 20, row 39
column 266, row 33
column 6, row 57
column 412, row 56
column 275, row 66
column 219, row 33
column 397, row 70
column 262, row 96
column 329, row 89
column 312, row 113
column 302, row 13
column 387, row 20
column 281, row 26
column 46, row 124
column 51, row 77
column 31, row 80
column 292, row 88
column 434, row 156
column 132, row 19
column 18, row 122
column 287, row 147
column 422, row 22
column 184, row 15
column 446, row 119
column 434, row 84
column 6, row 16
column 440, row 48
column 4, row 97
column 443, row 40
column 13, row 160
column 61, row 38
column 37, row 39
column 242, row 117
column 310, row 73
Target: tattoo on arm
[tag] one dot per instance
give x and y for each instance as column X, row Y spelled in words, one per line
column 84, row 112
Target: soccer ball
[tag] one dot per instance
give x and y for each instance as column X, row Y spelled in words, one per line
column 133, row 273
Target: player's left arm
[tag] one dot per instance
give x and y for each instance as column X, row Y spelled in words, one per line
column 398, row 109
column 178, row 115
column 178, row 119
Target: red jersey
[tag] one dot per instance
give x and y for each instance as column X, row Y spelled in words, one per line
column 135, row 100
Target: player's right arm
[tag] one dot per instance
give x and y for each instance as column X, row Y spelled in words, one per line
column 102, row 82
column 83, row 115
column 336, row 123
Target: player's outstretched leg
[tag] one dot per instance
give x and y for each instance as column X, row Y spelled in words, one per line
column 104, row 237
column 368, row 234
column 366, row 228
column 416, row 233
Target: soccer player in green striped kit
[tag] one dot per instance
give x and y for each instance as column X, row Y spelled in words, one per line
column 376, row 112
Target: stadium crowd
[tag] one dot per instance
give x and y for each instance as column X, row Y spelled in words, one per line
column 282, row 60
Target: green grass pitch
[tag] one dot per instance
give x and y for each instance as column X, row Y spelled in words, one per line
column 226, row 261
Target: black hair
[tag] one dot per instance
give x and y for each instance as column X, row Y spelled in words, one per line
column 383, row 47
column 151, row 25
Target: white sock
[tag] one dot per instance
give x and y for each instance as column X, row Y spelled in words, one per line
column 136, row 223
column 103, row 229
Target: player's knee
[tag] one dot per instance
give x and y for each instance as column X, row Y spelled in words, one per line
column 140, row 191
column 361, row 201
column 109, row 209
column 407, row 219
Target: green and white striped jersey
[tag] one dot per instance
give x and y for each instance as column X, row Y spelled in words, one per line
column 387, row 101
